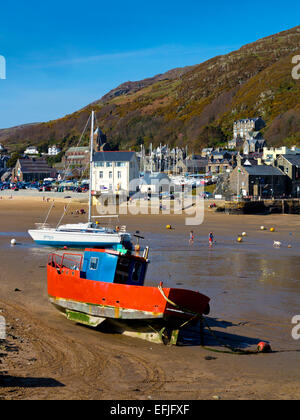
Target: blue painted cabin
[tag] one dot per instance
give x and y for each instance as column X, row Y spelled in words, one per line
column 114, row 268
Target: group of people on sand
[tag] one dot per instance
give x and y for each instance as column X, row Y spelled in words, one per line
column 211, row 239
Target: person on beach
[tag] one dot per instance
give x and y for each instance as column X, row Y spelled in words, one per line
column 211, row 239
column 192, row 238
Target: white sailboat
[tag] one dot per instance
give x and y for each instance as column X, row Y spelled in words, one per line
column 82, row 235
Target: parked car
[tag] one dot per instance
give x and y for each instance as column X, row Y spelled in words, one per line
column 34, row 185
column 44, row 188
column 206, row 195
column 85, row 188
column 21, row 185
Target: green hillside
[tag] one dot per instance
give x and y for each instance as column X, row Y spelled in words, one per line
column 194, row 105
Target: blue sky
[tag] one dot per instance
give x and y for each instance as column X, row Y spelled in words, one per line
column 62, row 55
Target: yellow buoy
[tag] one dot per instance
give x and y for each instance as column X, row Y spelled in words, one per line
column 272, row 229
column 240, row 239
column 169, row 227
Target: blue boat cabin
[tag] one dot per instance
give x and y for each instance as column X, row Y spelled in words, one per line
column 114, row 268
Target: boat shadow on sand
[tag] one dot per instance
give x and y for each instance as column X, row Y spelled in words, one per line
column 215, row 335
column 190, row 335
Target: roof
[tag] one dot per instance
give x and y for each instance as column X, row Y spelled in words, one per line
column 78, row 149
column 263, row 170
column 249, row 119
column 153, row 178
column 250, row 162
column 219, row 161
column 35, row 166
column 75, row 157
column 293, row 159
column 121, row 156
column 196, row 163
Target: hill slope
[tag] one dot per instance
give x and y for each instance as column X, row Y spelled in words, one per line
column 193, row 105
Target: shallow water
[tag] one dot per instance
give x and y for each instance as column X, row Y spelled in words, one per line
column 248, row 283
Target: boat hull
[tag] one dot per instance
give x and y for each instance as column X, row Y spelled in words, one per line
column 68, row 291
column 55, row 238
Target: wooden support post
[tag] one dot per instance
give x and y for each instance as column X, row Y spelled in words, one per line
column 201, row 332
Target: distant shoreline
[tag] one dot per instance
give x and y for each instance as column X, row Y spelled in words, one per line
column 61, row 196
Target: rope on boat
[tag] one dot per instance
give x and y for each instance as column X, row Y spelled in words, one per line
column 221, row 342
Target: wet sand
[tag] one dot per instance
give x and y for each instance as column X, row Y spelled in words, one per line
column 255, row 292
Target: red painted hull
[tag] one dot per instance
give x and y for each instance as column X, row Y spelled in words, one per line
column 69, row 286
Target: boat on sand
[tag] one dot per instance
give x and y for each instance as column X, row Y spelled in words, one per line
column 107, row 286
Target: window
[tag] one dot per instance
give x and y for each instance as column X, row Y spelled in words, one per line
column 110, row 175
column 136, row 272
column 94, row 263
column 122, row 271
column 101, row 175
column 99, row 164
column 119, row 175
column 109, row 164
column 121, row 164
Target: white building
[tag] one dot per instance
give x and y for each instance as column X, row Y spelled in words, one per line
column 114, row 171
column 272, row 153
column 31, row 150
column 53, row 151
column 155, row 183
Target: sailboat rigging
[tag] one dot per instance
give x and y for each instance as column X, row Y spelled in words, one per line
column 82, row 235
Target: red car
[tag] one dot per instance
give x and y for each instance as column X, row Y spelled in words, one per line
column 45, row 188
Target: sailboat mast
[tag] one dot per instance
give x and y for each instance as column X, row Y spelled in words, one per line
column 91, row 166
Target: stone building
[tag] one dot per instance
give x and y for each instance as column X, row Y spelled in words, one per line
column 258, row 181
column 254, row 145
column 31, row 169
column 243, row 128
column 290, row 166
column 77, row 157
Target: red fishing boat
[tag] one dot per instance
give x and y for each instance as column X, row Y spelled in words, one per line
column 106, row 285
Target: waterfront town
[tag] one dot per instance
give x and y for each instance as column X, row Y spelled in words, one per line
column 149, row 204
column 244, row 168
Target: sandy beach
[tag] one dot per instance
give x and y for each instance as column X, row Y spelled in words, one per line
column 254, row 291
